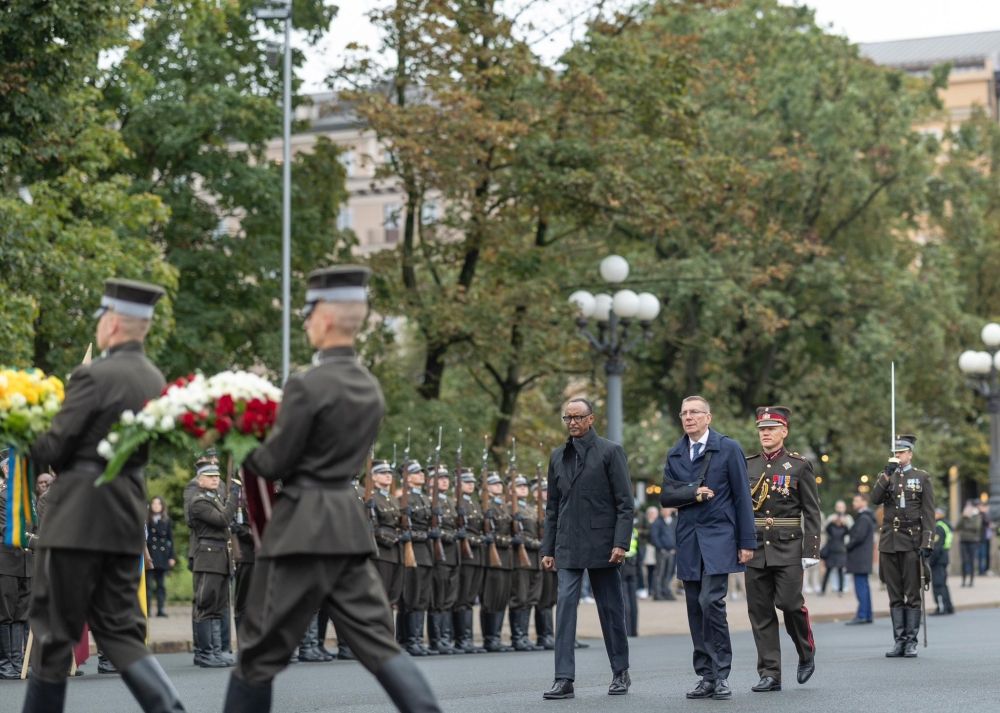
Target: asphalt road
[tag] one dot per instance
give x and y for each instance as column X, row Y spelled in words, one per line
column 960, row 671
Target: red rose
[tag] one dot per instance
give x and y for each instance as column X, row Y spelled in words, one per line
column 189, row 423
column 224, row 406
column 223, row 424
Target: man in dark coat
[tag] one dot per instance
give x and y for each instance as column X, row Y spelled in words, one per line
column 860, row 549
column 907, row 498
column 715, row 537
column 588, row 527
column 318, row 543
column 93, row 537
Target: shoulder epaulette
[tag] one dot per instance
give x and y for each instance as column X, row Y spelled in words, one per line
column 796, row 455
column 755, row 455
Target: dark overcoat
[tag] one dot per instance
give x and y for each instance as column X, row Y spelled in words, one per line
column 710, row 533
column 590, row 507
column 860, row 543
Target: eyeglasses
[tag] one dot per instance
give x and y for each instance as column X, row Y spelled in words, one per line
column 577, row 419
column 685, row 414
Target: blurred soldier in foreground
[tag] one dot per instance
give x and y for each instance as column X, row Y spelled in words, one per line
column 318, row 544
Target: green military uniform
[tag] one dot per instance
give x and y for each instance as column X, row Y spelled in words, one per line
column 526, row 582
column 470, row 574
column 318, row 544
column 497, row 579
column 907, row 497
column 91, row 544
column 787, row 521
column 15, row 593
column 385, row 509
column 211, row 517
column 444, row 579
column 417, row 581
column 544, row 626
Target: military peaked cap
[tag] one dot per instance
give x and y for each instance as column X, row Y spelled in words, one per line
column 129, row 298
column 773, row 416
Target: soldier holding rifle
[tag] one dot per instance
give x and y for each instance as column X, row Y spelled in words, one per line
column 496, row 581
column 444, row 586
column 544, row 626
column 470, row 573
column 417, row 579
column 526, row 585
column 388, row 560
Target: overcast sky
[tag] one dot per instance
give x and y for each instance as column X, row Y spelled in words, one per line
column 556, row 23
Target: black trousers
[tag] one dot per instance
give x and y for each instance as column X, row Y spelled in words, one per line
column 156, row 589
column 606, row 584
column 211, row 596
column 73, row 587
column 663, row 575
column 496, row 590
column 444, row 587
column 470, row 584
column 241, row 588
column 391, row 574
column 706, row 610
column 15, row 598
column 901, row 573
column 286, row 592
column 939, row 581
column 525, row 588
column 768, row 589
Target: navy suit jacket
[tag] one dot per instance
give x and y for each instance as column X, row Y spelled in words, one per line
column 710, row 533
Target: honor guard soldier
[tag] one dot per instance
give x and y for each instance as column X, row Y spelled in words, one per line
column 470, row 573
column 92, row 541
column 526, row 582
column 907, row 498
column 417, row 580
column 318, row 544
column 385, row 509
column 211, row 517
column 544, row 626
column 15, row 592
column 787, row 521
column 243, row 540
column 444, row 587
column 496, row 580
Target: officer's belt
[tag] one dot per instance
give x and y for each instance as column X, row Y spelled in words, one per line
column 210, row 541
column 777, row 522
column 310, row 483
column 97, row 467
column 896, row 523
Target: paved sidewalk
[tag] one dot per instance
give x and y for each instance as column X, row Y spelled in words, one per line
column 173, row 634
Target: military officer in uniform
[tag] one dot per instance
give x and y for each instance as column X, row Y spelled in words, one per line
column 417, row 580
column 526, row 582
column 385, row 508
column 470, row 573
column 787, row 520
column 211, row 517
column 907, row 497
column 317, row 546
column 544, row 626
column 496, row 580
column 89, row 549
column 444, row 578
column 15, row 592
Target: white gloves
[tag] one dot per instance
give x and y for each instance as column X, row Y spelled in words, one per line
column 808, row 562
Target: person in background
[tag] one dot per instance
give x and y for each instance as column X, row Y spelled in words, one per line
column 160, row 543
column 631, row 576
column 970, row 526
column 647, row 551
column 835, row 550
column 664, row 538
column 938, row 562
column 985, row 538
column 860, row 549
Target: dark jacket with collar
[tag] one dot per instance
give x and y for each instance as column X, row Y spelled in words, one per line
column 860, row 543
column 710, row 533
column 590, row 507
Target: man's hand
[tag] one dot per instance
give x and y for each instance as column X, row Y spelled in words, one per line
column 548, row 563
column 171, row 563
column 808, row 562
column 745, row 556
column 617, row 555
column 704, row 493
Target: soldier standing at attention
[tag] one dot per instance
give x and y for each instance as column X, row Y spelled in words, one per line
column 444, row 587
column 318, row 544
column 417, row 580
column 787, row 520
column 907, row 497
column 470, row 573
column 544, row 625
column 386, row 513
column 211, row 517
column 526, row 583
column 496, row 580
column 93, row 537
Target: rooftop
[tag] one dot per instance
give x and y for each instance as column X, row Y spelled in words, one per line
column 921, row 53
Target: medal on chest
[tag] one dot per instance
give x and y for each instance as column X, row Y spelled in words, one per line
column 781, row 483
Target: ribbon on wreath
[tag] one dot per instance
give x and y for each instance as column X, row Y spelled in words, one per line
column 19, row 506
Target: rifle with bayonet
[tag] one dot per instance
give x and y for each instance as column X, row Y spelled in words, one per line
column 435, row 530
column 409, row 558
column 465, row 549
column 484, row 500
column 516, row 525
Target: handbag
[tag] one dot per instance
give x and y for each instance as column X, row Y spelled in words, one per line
column 677, row 493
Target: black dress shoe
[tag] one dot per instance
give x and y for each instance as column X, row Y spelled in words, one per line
column 577, row 644
column 561, row 688
column 805, row 670
column 722, row 690
column 620, row 684
column 766, row 685
column 704, row 689
column 855, row 621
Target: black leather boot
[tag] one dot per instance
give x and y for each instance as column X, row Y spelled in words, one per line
column 322, row 624
column 152, row 689
column 18, row 642
column 44, row 697
column 438, row 633
column 406, row 686
column 912, row 617
column 518, row 635
column 448, row 632
column 7, row 669
column 218, row 654
column 104, row 664
column 498, row 628
column 545, row 629
column 401, row 634
column 415, row 634
column 898, row 632
column 344, row 653
column 309, row 648
column 242, row 697
column 202, row 644
column 466, row 637
column 226, row 638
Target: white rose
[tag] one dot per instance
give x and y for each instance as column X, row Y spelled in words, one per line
column 147, row 421
column 167, row 423
column 128, row 418
column 105, row 451
column 112, row 438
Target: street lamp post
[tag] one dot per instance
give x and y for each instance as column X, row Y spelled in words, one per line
column 982, row 369
column 282, row 10
column 614, row 316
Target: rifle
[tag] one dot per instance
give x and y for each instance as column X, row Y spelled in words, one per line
column 409, row 558
column 484, row 500
column 438, row 546
column 464, row 547
column 517, row 527
column 370, row 490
